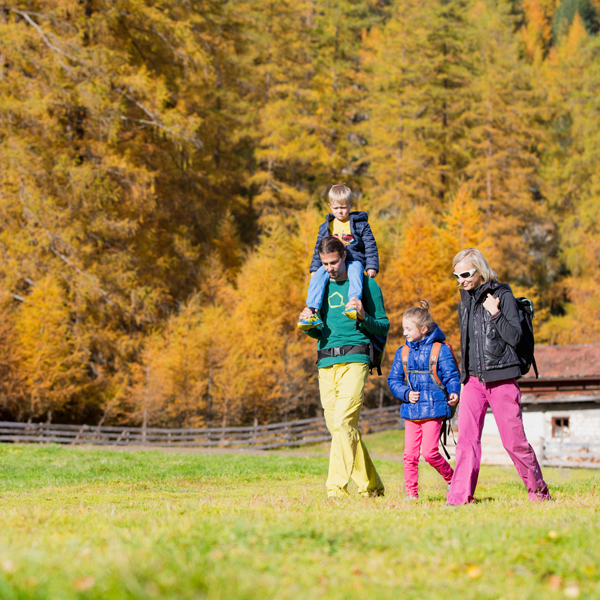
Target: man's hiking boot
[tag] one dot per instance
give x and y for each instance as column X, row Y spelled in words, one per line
column 372, row 494
column 313, row 321
column 351, row 313
column 337, row 492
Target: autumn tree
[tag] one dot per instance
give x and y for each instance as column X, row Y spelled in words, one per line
column 506, row 135
column 573, row 78
column 117, row 164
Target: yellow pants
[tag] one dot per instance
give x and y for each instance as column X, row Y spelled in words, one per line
column 342, row 388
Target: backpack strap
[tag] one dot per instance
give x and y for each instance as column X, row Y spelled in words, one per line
column 534, row 364
column 446, row 429
column 433, row 360
column 452, row 352
column 405, row 352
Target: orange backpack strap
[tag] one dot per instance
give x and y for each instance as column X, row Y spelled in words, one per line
column 453, row 356
column 433, row 360
column 405, row 351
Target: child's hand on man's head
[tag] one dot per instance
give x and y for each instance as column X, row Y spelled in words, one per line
column 454, row 398
column 413, row 397
column 372, row 273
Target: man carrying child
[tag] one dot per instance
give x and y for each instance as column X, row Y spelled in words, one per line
column 343, row 361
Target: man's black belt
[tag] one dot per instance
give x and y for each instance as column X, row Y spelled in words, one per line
column 342, row 351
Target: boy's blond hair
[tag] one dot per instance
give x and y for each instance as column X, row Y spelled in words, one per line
column 341, row 193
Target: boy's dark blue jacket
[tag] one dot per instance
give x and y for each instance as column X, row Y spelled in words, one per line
column 363, row 248
column 432, row 403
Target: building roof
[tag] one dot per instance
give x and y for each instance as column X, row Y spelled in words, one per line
column 566, row 362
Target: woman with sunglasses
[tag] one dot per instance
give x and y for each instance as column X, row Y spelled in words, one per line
column 490, row 329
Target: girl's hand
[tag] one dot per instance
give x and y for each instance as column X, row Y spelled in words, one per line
column 413, row 397
column 372, row 273
column 454, row 398
column 492, row 305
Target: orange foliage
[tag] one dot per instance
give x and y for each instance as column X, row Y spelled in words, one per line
column 161, row 170
column 537, row 32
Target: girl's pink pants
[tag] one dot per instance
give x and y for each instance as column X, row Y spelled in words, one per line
column 425, row 436
column 504, row 398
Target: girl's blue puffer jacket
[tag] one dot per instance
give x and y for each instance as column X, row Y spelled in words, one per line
column 363, row 248
column 433, row 403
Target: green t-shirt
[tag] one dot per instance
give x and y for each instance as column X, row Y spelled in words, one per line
column 339, row 330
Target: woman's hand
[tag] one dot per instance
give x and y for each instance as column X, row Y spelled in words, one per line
column 454, row 398
column 492, row 305
column 413, row 397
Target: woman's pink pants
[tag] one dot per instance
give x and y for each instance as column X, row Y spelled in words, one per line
column 423, row 435
column 504, row 398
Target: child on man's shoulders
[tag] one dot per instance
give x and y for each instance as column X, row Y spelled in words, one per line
column 353, row 230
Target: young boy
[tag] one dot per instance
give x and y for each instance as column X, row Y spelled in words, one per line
column 354, row 231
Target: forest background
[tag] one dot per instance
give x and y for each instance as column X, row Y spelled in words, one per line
column 165, row 166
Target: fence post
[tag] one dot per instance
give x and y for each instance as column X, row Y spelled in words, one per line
column 254, row 433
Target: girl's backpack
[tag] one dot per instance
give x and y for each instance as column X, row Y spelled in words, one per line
column 432, row 363
column 433, row 360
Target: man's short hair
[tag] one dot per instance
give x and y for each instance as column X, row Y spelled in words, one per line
column 331, row 244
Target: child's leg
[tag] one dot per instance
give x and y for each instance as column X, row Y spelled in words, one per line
column 412, row 448
column 355, row 276
column 316, row 288
column 431, row 453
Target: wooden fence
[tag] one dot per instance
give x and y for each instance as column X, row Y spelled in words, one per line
column 277, row 435
column 261, row 437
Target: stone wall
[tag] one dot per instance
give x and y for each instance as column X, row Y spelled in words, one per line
column 584, row 425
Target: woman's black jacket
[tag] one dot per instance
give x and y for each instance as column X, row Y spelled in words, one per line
column 494, row 339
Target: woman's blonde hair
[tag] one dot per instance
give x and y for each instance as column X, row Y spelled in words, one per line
column 419, row 315
column 477, row 259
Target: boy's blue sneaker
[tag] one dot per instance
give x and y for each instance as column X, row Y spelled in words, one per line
column 310, row 322
column 351, row 313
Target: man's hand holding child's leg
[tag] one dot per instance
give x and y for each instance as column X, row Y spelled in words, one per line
column 355, row 310
column 308, row 319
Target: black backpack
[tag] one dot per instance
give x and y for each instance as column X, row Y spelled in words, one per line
column 526, row 345
column 376, row 352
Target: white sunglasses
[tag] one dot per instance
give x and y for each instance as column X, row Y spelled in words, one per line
column 465, row 275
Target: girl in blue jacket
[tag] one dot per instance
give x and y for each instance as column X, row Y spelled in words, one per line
column 425, row 405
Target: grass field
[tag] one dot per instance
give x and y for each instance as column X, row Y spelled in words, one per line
column 80, row 523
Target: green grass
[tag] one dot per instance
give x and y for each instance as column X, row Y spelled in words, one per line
column 79, row 523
